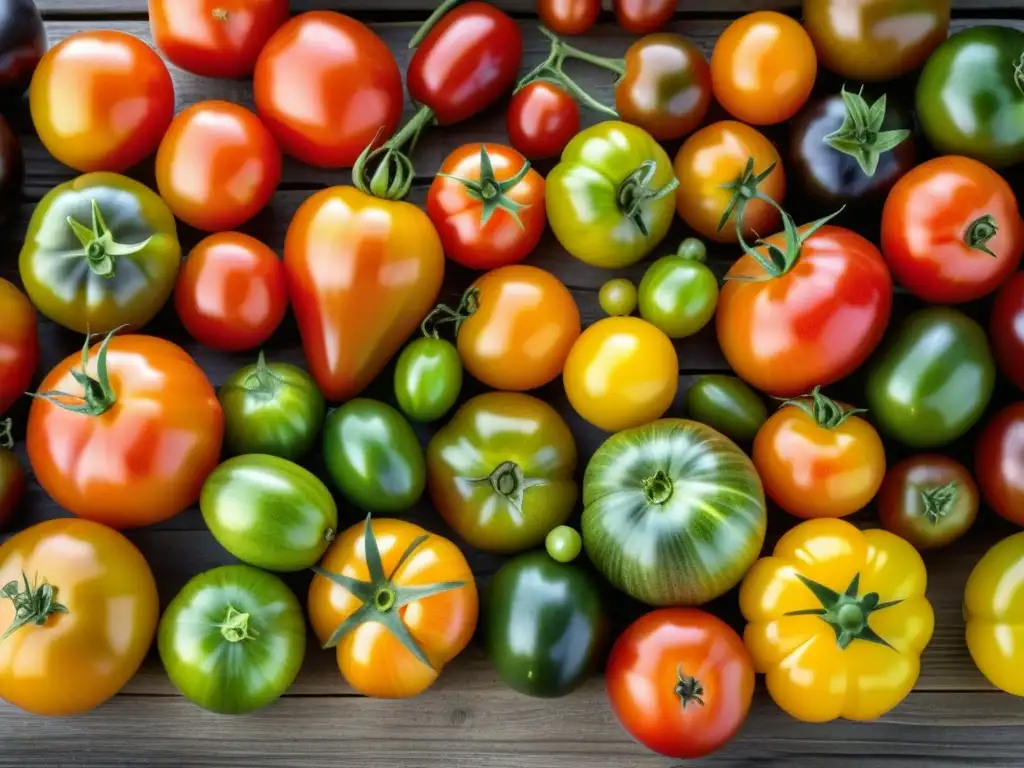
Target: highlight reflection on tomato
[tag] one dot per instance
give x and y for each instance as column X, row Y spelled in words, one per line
column 541, row 120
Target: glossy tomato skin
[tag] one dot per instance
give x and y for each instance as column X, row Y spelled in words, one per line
column 930, row 500
column 999, row 463
column 568, row 17
column 813, row 325
column 12, row 171
column 617, row 297
column 22, row 45
column 19, row 344
column 951, row 230
column 727, row 404
column 541, row 120
column 96, row 573
column 680, row 682
column 124, row 100
column 641, row 17
column 326, row 86
column 231, row 292
column 215, row 38
column 428, row 379
column 1006, row 329
column 678, row 295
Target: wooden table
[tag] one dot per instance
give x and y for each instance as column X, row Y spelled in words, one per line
column 469, row 719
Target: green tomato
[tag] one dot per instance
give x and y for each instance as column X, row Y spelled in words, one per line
column 544, row 627
column 428, row 379
column 727, row 404
column 275, row 409
column 932, row 381
column 563, row 543
column 269, row 512
column 673, row 512
column 679, row 294
column 617, row 297
column 374, row 457
column 232, row 640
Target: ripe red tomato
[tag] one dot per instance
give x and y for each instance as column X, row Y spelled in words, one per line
column 231, row 292
column 101, row 100
column 643, row 16
column 999, row 463
column 215, row 38
column 541, row 120
column 19, row 344
column 951, row 230
column 218, row 166
column 680, row 681
column 1006, row 329
column 326, row 87
column 569, row 17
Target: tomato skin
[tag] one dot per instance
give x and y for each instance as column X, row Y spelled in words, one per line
column 124, row 100
column 999, row 463
column 563, row 544
column 541, row 120
column 643, row 679
column 727, row 404
column 96, row 574
column 1006, row 329
column 19, row 344
column 641, row 17
column 215, row 38
column 231, row 293
column 428, row 379
column 568, row 17
column 927, row 224
column 326, row 86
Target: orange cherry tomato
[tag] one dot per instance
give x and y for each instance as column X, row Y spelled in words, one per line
column 568, row 17
column 231, row 292
column 101, row 100
column 217, row 166
column 763, row 68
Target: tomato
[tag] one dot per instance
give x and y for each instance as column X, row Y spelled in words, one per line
column 487, row 204
column 999, row 463
column 101, row 252
column 568, row 17
column 787, row 331
column 818, row 458
column 397, row 602
column 12, row 477
column 123, row 100
column 541, row 120
column 641, row 17
column 952, row 231
column 563, row 544
column 135, row 447
column 622, row 372
column 501, row 472
column 215, row 38
column 231, row 293
column 19, row 345
column 326, row 86
column 22, row 45
column 680, row 682
column 717, row 181
column 763, row 68
column 617, row 297
column 428, row 379
column 929, row 500
column 1006, row 329
column 12, row 171
column 232, row 640
column 875, row 39
column 678, row 293
column 217, row 166
column 358, row 291
column 60, row 616
column 728, row 405
column 969, row 96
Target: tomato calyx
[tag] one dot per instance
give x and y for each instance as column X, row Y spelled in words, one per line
column 938, row 501
column 442, row 313
column 826, row 412
column 779, row 261
column 33, row 605
column 861, row 135
column 635, row 192
column 262, row 381
column 98, row 244
column 658, row 488
column 392, row 172
column 979, row 232
column 97, row 395
column 744, row 188
column 509, row 480
column 6, row 435
column 491, row 192
column 846, row 613
column 235, row 627
column 688, row 689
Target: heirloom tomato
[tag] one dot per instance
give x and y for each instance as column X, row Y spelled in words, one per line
column 929, row 500
column 428, row 378
column 80, row 602
column 678, row 293
column 22, row 45
column 1006, row 328
column 727, row 404
column 641, row 17
column 136, row 445
column 617, row 297
column 12, row 170
column 397, row 602
column 541, row 119
column 19, row 344
column 999, row 463
column 568, row 17
column 101, row 100
column 12, row 476
column 837, row 620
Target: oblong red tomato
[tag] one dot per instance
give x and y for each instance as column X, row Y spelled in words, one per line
column 1006, row 329
column 541, row 120
column 999, row 463
column 19, row 344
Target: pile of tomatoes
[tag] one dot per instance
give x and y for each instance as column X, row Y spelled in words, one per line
column 130, row 432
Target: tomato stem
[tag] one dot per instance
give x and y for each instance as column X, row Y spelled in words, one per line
column 98, row 396
column 262, row 380
column 6, row 435
column 744, row 188
column 777, row 261
column 861, row 135
column 938, row 501
column 658, row 487
column 635, row 193
column 33, row 605
column 393, row 172
column 979, row 232
column 442, row 313
column 846, row 613
column 98, row 244
column 432, row 19
column 1018, row 73
column 826, row 412
column 491, row 192
column 235, row 626
column 688, row 689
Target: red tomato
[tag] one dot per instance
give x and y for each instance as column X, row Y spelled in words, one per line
column 231, row 292
column 486, row 211
column 101, row 100
column 568, row 17
column 999, row 463
column 218, row 166
column 680, row 681
column 215, row 38
column 19, row 344
column 1006, row 329
column 643, row 16
column 541, row 120
column 951, row 230
column 326, row 87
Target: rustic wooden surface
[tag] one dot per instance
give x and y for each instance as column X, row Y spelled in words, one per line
column 469, row 719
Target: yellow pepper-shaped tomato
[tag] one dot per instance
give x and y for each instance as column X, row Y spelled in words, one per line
column 837, row 620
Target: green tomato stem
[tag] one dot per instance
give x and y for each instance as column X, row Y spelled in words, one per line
column 979, row 232
column 939, row 500
column 32, row 605
column 427, row 25
column 861, row 135
column 825, row 411
column 658, row 487
column 98, row 244
column 635, row 192
column 98, row 396
column 235, row 626
column 688, row 689
column 393, row 172
column 491, row 192
column 847, row 613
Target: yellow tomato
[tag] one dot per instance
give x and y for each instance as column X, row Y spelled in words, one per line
column 838, row 619
column 622, row 372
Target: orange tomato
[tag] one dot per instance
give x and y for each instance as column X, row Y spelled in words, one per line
column 403, row 639
column 763, row 68
column 65, row 662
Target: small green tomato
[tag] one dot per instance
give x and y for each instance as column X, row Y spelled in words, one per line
column 617, row 297
column 563, row 543
column 678, row 293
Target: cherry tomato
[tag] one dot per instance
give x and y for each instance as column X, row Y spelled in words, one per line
column 763, row 68
column 568, row 17
column 231, row 292
column 1006, row 329
column 541, row 120
column 101, row 100
column 643, row 16
column 563, row 543
column 951, row 230
column 217, row 166
column 678, row 293
column 326, row 86
column 487, row 204
column 215, row 38
column 929, row 500
column 617, row 297
column 999, row 463
column 19, row 344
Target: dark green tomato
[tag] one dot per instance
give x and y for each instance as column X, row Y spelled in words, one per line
column 673, row 512
column 271, row 408
column 12, row 170
column 932, row 381
column 678, row 294
column 373, row 456
column 269, row 512
column 970, row 97
column 617, row 297
column 544, row 627
column 233, row 639
column 727, row 404
column 428, row 379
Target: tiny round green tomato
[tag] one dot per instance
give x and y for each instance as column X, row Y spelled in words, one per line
column 693, row 249
column 564, row 543
column 727, row 404
column 617, row 297
column 428, row 379
column 678, row 293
